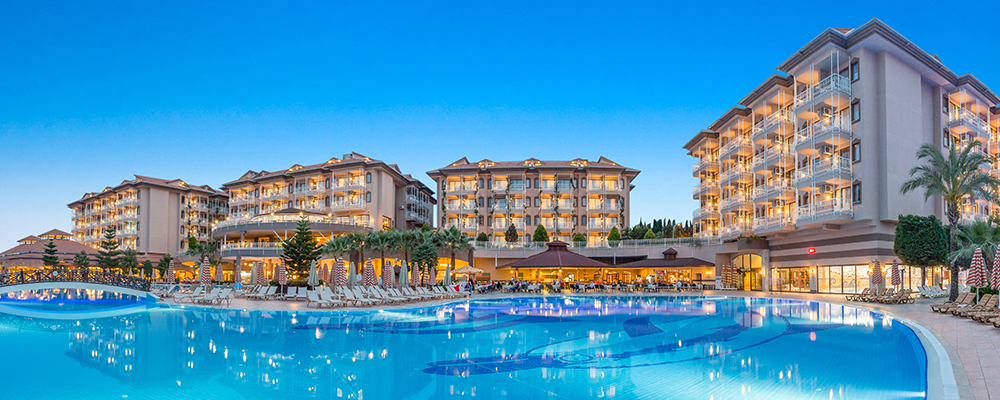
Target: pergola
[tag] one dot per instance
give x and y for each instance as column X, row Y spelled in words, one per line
column 557, row 257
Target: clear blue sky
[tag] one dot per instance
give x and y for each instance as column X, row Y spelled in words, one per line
column 93, row 93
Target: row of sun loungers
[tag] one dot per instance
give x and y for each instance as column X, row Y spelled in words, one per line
column 884, row 296
column 358, row 296
column 986, row 310
column 932, row 291
column 216, row 296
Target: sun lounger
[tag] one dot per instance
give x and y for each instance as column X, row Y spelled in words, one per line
column 398, row 293
column 214, row 293
column 858, row 296
column 291, row 294
column 985, row 315
column 988, row 301
column 259, row 293
column 939, row 306
column 357, row 300
column 426, row 292
column 329, row 297
column 411, row 292
column 902, row 296
column 184, row 296
column 216, row 297
column 302, row 295
column 968, row 300
column 313, row 300
column 452, row 290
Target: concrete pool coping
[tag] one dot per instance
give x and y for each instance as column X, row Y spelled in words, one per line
column 945, row 379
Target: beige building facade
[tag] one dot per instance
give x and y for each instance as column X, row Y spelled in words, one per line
column 566, row 197
column 812, row 160
column 150, row 215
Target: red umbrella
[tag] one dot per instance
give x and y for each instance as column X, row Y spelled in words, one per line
column 204, row 274
column 237, row 271
column 431, row 277
column 368, row 277
column 282, row 275
column 387, row 275
column 896, row 279
column 977, row 270
column 414, row 275
column 324, row 273
column 261, row 279
column 218, row 274
column 995, row 276
column 340, row 273
column 876, row 278
column 169, row 277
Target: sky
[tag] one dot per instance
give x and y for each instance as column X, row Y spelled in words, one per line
column 94, row 92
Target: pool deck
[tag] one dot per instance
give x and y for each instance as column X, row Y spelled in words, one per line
column 972, row 348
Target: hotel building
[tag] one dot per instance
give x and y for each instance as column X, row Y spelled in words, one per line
column 353, row 193
column 566, row 197
column 811, row 161
column 150, row 215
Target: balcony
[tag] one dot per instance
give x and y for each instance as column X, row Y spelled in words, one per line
column 503, row 186
column 780, row 154
column 734, row 230
column 835, row 83
column 736, row 201
column 603, row 186
column 196, row 206
column 709, row 233
column 347, row 205
column 780, row 188
column 341, row 185
column 127, row 232
column 708, row 186
column 706, row 212
column 460, row 206
column 196, row 222
column 597, row 205
column 127, row 201
column 512, row 206
column 564, row 205
column 126, row 217
column 239, row 200
column 740, row 144
column 416, row 216
column 272, row 195
column 601, row 225
column 968, row 217
column 834, row 164
column 773, row 222
column 504, row 224
column 551, row 226
column 829, row 207
column 705, row 163
column 460, row 188
column 736, row 171
column 822, row 130
column 958, row 117
column 313, row 190
column 552, row 186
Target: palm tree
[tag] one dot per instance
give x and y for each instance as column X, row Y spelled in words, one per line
column 380, row 242
column 979, row 234
column 454, row 241
column 406, row 242
column 204, row 251
column 954, row 178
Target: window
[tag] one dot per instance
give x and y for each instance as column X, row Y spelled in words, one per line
column 947, row 138
column 856, row 111
column 368, row 197
column 138, row 211
column 856, row 190
column 138, row 195
column 538, row 201
column 944, row 103
column 856, row 151
column 328, row 201
column 536, row 182
column 327, row 183
column 489, row 202
column 527, row 220
column 480, row 220
column 575, row 204
column 583, row 220
column 290, row 189
column 489, row 220
column 574, row 220
column 855, row 72
column 537, row 220
column 480, row 201
column 368, row 177
column 480, row 182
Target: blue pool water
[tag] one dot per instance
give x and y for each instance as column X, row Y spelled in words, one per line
column 552, row 347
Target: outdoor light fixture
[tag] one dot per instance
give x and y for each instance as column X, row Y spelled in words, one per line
column 812, row 250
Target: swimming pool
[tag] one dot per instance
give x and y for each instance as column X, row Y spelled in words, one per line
column 546, row 347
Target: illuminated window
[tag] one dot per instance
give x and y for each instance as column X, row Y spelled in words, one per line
column 386, row 223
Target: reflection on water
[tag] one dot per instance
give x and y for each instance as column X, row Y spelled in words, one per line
column 66, row 299
column 616, row 347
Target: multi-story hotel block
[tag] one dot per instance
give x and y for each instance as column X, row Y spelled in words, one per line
column 566, row 197
column 348, row 194
column 814, row 157
column 152, row 216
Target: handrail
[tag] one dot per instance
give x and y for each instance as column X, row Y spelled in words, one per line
column 23, row 277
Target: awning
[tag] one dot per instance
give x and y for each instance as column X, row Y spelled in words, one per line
column 558, row 255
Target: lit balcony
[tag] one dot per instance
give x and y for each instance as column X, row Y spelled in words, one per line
column 551, row 186
column 836, row 206
column 599, row 225
column 460, row 188
column 736, row 201
column 962, row 117
column 563, row 205
column 706, row 186
column 833, row 84
column 347, row 205
column 736, row 172
column 272, row 195
column 504, row 224
column 710, row 163
column 739, row 144
column 603, row 186
column 709, row 211
column 342, row 184
column 971, row 215
column 775, row 221
column 780, row 188
column 832, row 164
column 734, row 230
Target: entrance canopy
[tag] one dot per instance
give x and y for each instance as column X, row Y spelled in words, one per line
column 557, row 256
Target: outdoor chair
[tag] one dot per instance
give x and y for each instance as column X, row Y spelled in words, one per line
column 313, row 300
column 181, row 297
column 259, row 293
column 968, row 300
column 858, row 296
column 293, row 291
column 328, row 296
column 939, row 306
column 987, row 302
column 399, row 293
column 211, row 295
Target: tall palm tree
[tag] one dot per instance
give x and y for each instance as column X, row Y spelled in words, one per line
column 454, row 241
column 380, row 242
column 405, row 242
column 953, row 177
column 204, row 251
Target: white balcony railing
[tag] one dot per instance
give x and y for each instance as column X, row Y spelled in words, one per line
column 461, row 187
column 705, row 185
column 705, row 162
column 832, row 206
column 773, row 221
column 504, row 224
column 969, row 117
column 361, row 220
column 705, row 211
column 831, row 83
column 774, row 187
column 347, row 205
column 832, row 164
column 734, row 144
column 735, row 172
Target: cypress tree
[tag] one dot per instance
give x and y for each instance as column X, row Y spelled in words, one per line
column 301, row 250
column 107, row 254
column 50, row 259
column 511, row 235
column 541, row 235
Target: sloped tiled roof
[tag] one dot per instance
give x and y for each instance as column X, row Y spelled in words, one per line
column 464, row 164
column 172, row 183
column 54, row 232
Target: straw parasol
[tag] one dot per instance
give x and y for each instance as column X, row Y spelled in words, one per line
column 313, row 275
column 170, row 271
column 282, row 274
column 339, row 273
column 403, row 274
column 205, row 274
column 876, row 277
column 237, row 267
column 368, row 277
column 387, row 274
column 896, row 279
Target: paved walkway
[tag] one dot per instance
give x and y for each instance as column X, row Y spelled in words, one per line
column 974, row 348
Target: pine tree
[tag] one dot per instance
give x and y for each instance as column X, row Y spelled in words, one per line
column 579, row 238
column 301, row 250
column 541, row 235
column 482, row 237
column 107, row 254
column 614, row 236
column 511, row 235
column 50, row 259
column 649, row 235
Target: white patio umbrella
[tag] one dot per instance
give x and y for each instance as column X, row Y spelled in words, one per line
column 352, row 276
column 447, row 276
column 313, row 276
column 253, row 273
column 403, row 274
